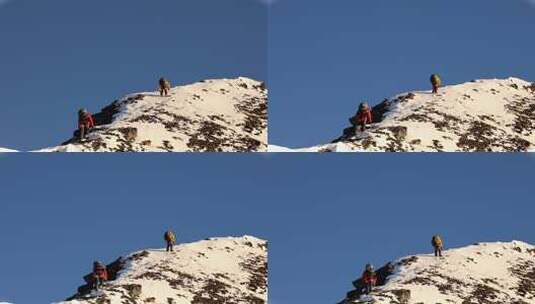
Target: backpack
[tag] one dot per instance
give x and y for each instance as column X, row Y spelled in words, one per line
column 435, row 79
column 170, row 236
column 436, row 241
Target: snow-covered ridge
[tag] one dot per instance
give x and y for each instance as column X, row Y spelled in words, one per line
column 221, row 115
column 484, row 273
column 5, row 150
column 482, row 115
column 334, row 147
column 213, row 271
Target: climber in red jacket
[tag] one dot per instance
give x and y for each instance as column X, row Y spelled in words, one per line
column 100, row 274
column 362, row 117
column 85, row 122
column 369, row 278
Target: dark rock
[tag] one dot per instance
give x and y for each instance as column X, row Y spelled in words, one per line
column 261, row 87
column 399, row 132
column 403, row 295
column 113, row 270
column 379, row 110
column 382, row 276
column 477, row 138
column 129, row 133
column 134, row 290
column 105, row 116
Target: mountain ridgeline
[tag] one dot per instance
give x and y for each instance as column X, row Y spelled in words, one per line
column 484, row 273
column 494, row 115
column 222, row 115
column 229, row 270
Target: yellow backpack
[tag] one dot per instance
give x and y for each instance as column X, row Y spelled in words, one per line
column 435, row 79
column 170, row 236
column 436, row 241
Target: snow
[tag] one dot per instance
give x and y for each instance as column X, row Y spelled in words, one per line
column 212, row 115
column 482, row 115
column 334, row 147
column 5, row 150
column 232, row 266
column 278, row 149
column 499, row 272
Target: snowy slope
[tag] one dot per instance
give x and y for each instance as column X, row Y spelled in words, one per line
column 484, row 273
column 482, row 115
column 334, row 147
column 275, row 148
column 211, row 115
column 213, row 271
column 5, row 150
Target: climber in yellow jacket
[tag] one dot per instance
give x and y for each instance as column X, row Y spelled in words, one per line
column 164, row 86
column 437, row 243
column 170, row 239
column 436, row 82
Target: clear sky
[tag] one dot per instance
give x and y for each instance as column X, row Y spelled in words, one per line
column 325, row 215
column 59, row 55
column 326, row 56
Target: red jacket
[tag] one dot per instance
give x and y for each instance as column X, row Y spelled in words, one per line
column 365, row 116
column 369, row 277
column 101, row 272
column 86, row 121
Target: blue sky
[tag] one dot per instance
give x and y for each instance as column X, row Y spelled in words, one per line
column 326, row 56
column 325, row 215
column 60, row 55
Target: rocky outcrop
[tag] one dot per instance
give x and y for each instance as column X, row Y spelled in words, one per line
column 113, row 270
column 382, row 275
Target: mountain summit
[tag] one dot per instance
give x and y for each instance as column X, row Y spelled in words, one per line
column 482, row 115
column 223, row 115
column 213, row 271
column 484, row 273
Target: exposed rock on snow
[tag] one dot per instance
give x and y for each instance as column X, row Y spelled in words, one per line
column 484, row 273
column 213, row 271
column 482, row 115
column 225, row 115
